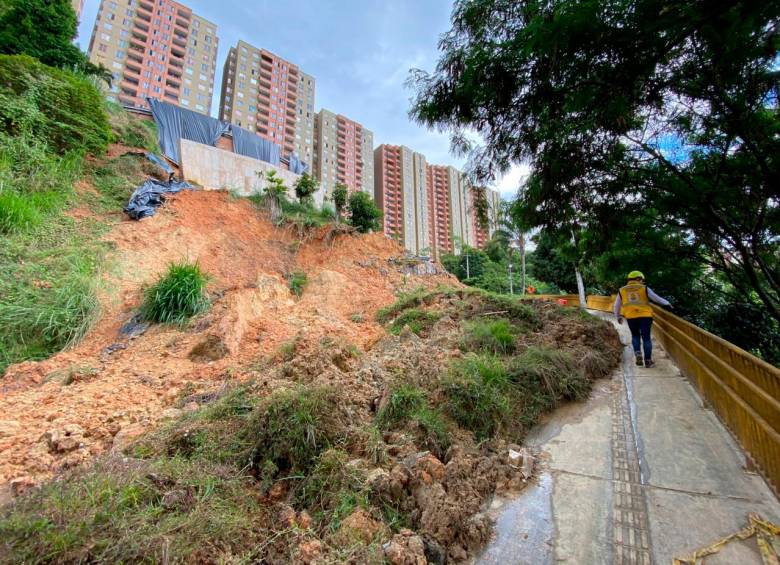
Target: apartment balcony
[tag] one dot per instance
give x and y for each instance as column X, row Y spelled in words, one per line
column 175, row 65
column 177, row 53
column 264, row 84
column 180, row 41
column 132, row 70
column 135, row 57
column 182, row 23
column 127, row 90
column 129, row 82
column 172, row 83
column 183, row 14
column 292, row 71
column 266, row 60
column 140, row 27
column 172, row 96
column 139, row 36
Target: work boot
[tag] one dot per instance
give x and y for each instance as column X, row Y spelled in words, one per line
column 649, row 363
column 640, row 362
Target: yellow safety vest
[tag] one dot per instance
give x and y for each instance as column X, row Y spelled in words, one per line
column 635, row 303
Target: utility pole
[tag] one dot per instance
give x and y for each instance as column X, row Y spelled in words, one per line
column 522, row 260
column 511, row 285
column 468, row 270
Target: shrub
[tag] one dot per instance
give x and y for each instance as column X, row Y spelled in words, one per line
column 177, row 296
column 339, row 197
column 405, row 301
column 364, row 213
column 490, row 336
column 305, row 187
column 297, row 281
column 59, row 107
column 404, row 401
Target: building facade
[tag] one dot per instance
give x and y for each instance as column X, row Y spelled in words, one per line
column 78, row 6
column 450, row 198
column 400, row 190
column 271, row 97
column 343, row 153
column 156, row 49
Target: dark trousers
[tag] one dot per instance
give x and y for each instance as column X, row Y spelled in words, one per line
column 640, row 335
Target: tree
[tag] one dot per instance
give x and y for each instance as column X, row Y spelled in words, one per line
column 551, row 261
column 272, row 194
column 44, row 29
column 672, row 106
column 305, row 187
column 340, row 193
column 364, row 213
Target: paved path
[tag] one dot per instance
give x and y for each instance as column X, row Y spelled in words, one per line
column 641, row 473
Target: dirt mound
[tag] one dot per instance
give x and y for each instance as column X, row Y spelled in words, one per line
column 116, row 381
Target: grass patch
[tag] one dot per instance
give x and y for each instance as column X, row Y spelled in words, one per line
column 291, row 428
column 490, row 336
column 332, row 490
column 408, row 404
column 492, row 396
column 131, row 130
column 419, row 321
column 117, row 178
column 405, row 301
column 176, row 296
column 297, row 281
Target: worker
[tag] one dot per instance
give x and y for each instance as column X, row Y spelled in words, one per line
column 633, row 304
column 531, row 290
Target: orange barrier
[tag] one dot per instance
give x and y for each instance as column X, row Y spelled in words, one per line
column 743, row 390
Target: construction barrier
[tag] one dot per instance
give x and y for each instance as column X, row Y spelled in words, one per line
column 741, row 389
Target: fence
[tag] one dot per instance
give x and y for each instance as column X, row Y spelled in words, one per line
column 743, row 390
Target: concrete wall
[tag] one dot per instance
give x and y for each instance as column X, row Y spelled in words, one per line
column 216, row 169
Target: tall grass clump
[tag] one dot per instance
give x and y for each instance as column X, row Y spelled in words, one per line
column 131, row 131
column 176, row 296
column 291, row 428
column 552, row 371
column 489, row 336
column 297, row 281
column 418, row 320
column 408, row 405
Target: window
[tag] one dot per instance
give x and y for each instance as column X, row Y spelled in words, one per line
column 120, row 54
column 186, row 91
column 185, row 102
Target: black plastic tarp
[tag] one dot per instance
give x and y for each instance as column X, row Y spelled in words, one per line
column 174, row 123
column 150, row 195
column 251, row 145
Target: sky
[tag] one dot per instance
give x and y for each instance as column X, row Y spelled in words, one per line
column 359, row 52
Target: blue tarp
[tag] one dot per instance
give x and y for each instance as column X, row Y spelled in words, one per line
column 252, row 145
column 296, row 165
column 150, row 195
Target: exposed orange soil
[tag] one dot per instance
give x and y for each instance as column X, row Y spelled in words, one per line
column 253, row 313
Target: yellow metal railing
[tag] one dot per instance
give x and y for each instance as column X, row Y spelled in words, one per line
column 743, row 390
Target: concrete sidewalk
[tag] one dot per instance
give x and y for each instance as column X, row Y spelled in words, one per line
column 641, row 473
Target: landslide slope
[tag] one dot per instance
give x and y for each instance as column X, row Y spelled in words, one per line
column 113, row 383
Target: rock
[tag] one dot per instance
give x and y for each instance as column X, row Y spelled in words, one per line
column 429, row 464
column 309, row 551
column 9, row 428
column 20, row 485
column 358, row 526
column 515, row 458
column 434, row 552
column 406, row 548
column 171, row 413
column 64, row 439
column 378, row 480
column 529, row 461
column 126, row 436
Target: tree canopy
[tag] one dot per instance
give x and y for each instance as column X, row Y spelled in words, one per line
column 662, row 111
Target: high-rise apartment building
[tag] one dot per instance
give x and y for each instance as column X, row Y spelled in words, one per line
column 449, row 198
column 272, row 97
column 78, row 6
column 156, row 49
column 401, row 192
column 483, row 233
column 343, row 153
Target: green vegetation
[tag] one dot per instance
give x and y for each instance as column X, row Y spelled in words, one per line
column 176, row 296
column 306, row 215
column 419, row 321
column 58, row 108
column 339, row 197
column 364, row 213
column 305, row 187
column 291, row 429
column 49, row 262
column 489, row 395
column 409, row 405
column 132, row 131
column 490, row 336
column 44, row 29
column 297, row 281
